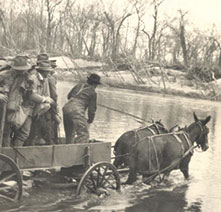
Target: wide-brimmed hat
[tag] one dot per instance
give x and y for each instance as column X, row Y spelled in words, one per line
column 45, row 66
column 53, row 63
column 94, row 79
column 20, row 63
column 42, row 57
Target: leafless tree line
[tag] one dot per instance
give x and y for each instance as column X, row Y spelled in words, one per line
column 95, row 31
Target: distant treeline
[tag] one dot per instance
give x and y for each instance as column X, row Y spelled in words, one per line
column 137, row 35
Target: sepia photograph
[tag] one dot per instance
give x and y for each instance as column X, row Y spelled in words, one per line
column 110, row 105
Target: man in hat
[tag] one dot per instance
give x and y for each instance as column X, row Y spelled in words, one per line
column 52, row 116
column 54, row 111
column 82, row 97
column 23, row 93
column 41, row 131
column 42, row 57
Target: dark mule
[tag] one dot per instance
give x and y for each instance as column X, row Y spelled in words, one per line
column 164, row 153
column 125, row 142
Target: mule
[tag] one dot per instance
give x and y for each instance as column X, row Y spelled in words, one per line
column 166, row 152
column 126, row 141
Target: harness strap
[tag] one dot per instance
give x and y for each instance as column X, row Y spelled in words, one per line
column 136, row 135
column 188, row 140
column 152, row 131
column 157, row 128
column 146, row 127
column 137, row 132
column 156, row 156
column 180, row 141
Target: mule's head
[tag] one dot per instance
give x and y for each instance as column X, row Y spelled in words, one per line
column 199, row 131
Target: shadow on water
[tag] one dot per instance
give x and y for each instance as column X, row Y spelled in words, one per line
column 166, row 201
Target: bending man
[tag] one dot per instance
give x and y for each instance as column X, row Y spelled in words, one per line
column 82, row 97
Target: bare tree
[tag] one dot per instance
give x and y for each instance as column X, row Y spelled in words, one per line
column 140, row 8
column 152, row 36
column 115, row 27
column 217, row 46
column 182, row 38
column 50, row 8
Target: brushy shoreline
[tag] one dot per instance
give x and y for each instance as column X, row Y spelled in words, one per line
column 182, row 88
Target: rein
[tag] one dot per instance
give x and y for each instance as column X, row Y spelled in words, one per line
column 125, row 113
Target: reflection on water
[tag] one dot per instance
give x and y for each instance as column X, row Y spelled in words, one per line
column 162, row 201
column 201, row 193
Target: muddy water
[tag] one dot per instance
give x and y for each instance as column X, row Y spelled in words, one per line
column 201, row 193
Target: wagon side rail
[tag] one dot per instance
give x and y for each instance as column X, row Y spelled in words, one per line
column 64, row 155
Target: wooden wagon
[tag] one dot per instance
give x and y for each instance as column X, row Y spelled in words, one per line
column 94, row 157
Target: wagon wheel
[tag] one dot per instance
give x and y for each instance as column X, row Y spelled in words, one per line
column 10, row 180
column 157, row 178
column 99, row 177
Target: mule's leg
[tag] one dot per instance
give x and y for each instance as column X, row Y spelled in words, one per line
column 185, row 171
column 132, row 173
column 166, row 175
column 184, row 166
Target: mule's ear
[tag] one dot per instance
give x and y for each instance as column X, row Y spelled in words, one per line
column 206, row 120
column 195, row 117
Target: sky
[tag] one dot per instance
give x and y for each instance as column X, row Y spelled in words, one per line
column 203, row 13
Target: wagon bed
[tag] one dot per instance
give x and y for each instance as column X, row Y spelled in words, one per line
column 52, row 156
column 94, row 157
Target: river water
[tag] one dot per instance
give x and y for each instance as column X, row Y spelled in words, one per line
column 202, row 192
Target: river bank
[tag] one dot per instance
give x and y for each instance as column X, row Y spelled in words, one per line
column 168, row 82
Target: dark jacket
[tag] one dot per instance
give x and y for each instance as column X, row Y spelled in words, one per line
column 85, row 96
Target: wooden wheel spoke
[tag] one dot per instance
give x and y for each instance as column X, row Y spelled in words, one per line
column 7, row 177
column 6, row 197
column 111, row 184
column 90, row 188
column 10, row 179
column 159, row 178
column 98, row 175
column 103, row 175
column 88, row 182
column 93, row 180
column 106, row 180
column 8, row 187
